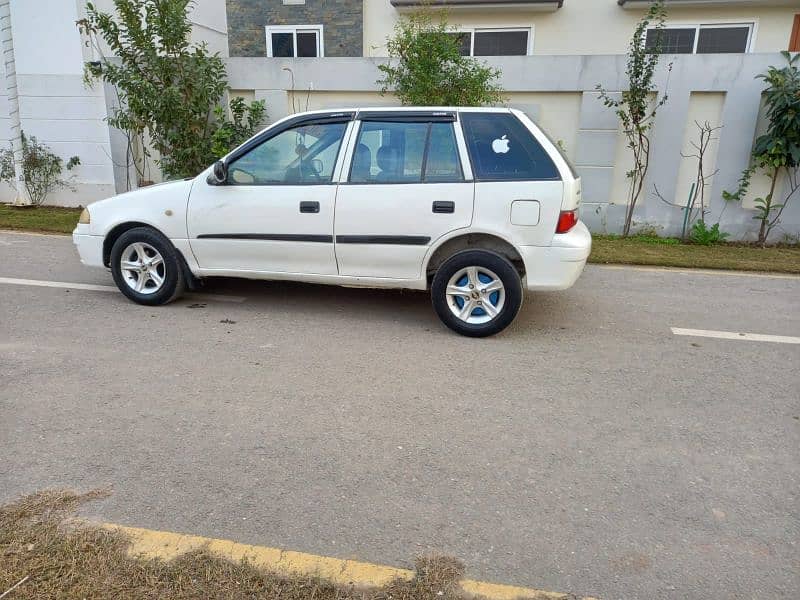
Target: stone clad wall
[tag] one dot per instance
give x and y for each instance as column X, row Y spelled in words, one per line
column 342, row 21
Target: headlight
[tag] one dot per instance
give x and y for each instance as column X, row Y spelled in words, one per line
column 84, row 218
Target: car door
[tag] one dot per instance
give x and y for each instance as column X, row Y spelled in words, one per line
column 405, row 188
column 274, row 213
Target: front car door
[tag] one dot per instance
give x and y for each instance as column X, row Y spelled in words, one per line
column 405, row 188
column 275, row 211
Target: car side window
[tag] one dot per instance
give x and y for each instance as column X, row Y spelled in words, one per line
column 301, row 155
column 503, row 149
column 410, row 152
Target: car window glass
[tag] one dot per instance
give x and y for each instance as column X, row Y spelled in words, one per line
column 442, row 163
column 502, row 149
column 302, row 155
column 388, row 152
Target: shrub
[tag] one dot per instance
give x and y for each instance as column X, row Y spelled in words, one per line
column 430, row 70
column 706, row 236
column 41, row 169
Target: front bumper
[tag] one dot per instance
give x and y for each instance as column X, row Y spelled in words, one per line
column 557, row 267
column 90, row 247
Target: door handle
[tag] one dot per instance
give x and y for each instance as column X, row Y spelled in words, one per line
column 309, row 207
column 444, row 206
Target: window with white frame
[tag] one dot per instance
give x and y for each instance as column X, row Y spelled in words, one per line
column 290, row 41
column 701, row 39
column 505, row 41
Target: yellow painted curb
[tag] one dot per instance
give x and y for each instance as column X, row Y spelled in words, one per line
column 167, row 545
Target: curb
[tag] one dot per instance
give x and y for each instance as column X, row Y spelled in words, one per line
column 167, row 545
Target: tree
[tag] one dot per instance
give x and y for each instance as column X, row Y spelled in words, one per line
column 777, row 152
column 430, row 70
column 635, row 109
column 168, row 87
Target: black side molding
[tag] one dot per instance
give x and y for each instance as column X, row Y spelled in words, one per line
column 394, row 240
column 444, row 206
column 272, row 237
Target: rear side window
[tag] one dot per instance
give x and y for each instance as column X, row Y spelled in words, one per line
column 502, row 149
column 412, row 152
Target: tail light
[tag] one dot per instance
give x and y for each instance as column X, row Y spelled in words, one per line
column 567, row 219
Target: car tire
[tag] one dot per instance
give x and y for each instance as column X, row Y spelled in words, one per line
column 146, row 267
column 476, row 293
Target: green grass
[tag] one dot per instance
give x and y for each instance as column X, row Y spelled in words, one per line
column 606, row 249
column 670, row 252
column 51, row 219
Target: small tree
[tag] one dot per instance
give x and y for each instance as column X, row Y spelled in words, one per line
column 695, row 210
column 635, row 109
column 777, row 152
column 41, row 169
column 430, row 69
column 168, row 87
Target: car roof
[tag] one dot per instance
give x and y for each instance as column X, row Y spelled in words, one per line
column 395, row 109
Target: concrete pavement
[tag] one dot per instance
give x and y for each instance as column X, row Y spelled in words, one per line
column 586, row 449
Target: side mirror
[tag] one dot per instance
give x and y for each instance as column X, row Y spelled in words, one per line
column 219, row 172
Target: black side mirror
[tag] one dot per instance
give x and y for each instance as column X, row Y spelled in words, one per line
column 219, row 172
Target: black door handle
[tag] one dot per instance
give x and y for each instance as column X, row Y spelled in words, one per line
column 309, row 207
column 444, row 206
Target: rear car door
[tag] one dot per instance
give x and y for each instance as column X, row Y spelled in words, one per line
column 406, row 187
column 275, row 211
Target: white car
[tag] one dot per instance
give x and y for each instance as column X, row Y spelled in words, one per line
column 475, row 204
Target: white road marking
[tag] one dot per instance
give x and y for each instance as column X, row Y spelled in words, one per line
column 733, row 335
column 685, row 271
column 109, row 288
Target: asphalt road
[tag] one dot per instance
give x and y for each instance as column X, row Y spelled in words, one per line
column 586, row 449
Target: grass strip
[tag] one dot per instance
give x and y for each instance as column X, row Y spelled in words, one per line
column 49, row 219
column 670, row 252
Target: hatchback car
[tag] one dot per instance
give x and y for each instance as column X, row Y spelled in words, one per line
column 475, row 204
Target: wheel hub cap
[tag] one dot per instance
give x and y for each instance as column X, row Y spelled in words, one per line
column 475, row 295
column 142, row 268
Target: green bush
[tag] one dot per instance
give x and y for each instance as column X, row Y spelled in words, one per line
column 705, row 236
column 41, row 169
column 430, row 70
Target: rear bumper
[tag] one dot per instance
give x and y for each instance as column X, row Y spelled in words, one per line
column 557, row 267
column 90, row 247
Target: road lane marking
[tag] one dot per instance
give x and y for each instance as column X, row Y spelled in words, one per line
column 167, row 545
column 733, row 335
column 687, row 271
column 109, row 288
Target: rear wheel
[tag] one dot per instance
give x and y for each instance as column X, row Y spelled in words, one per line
column 476, row 293
column 146, row 267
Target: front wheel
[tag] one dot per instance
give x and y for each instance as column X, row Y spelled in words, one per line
column 146, row 267
column 476, row 293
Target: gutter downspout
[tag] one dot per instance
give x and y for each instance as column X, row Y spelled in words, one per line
column 7, row 37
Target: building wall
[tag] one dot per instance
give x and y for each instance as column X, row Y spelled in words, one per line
column 341, row 20
column 588, row 26
column 55, row 105
column 559, row 93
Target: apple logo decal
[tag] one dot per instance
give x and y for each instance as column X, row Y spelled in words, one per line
column 500, row 145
